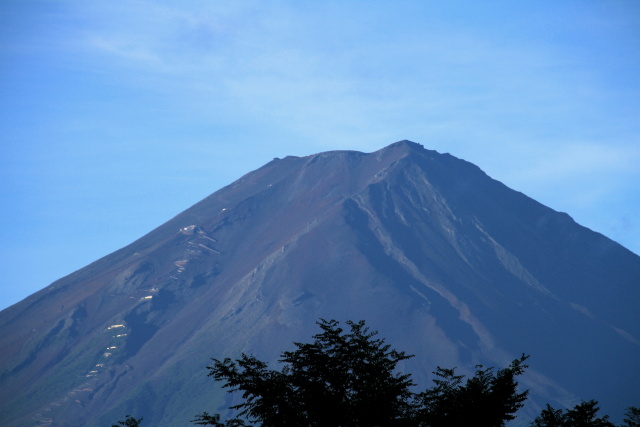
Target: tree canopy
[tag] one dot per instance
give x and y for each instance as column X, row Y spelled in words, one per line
column 129, row 421
column 583, row 414
column 632, row 417
column 349, row 378
column 488, row 399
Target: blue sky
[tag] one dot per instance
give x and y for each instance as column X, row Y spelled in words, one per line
column 115, row 116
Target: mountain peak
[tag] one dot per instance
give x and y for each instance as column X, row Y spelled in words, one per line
column 405, row 146
column 405, row 143
column 447, row 263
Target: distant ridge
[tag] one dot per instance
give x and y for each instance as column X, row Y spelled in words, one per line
column 444, row 261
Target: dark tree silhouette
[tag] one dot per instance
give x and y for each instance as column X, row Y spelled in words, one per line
column 129, row 421
column 350, row 379
column 487, row 399
column 342, row 378
column 583, row 414
column 214, row 420
column 549, row 417
column 632, row 417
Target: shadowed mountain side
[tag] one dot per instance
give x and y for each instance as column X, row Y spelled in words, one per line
column 445, row 262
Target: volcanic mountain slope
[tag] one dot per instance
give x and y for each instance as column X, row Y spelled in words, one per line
column 445, row 262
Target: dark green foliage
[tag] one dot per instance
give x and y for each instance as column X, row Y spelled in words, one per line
column 549, row 417
column 632, row 417
column 349, row 379
column 214, row 420
column 583, row 414
column 350, row 373
column 128, row 422
column 487, row 399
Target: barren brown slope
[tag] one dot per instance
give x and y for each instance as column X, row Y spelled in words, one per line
column 444, row 261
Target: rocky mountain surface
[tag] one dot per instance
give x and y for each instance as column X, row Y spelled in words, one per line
column 445, row 262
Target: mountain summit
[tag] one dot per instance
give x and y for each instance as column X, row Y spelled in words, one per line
column 447, row 263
